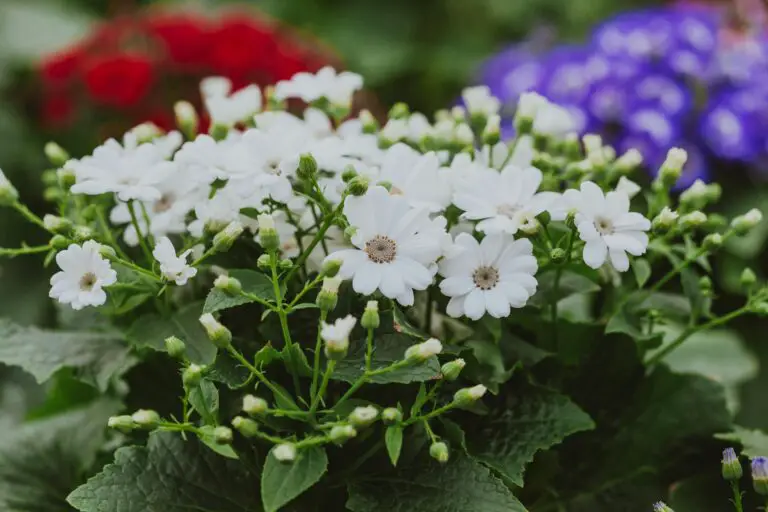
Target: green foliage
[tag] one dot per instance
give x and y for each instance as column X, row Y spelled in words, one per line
column 282, row 482
column 254, row 283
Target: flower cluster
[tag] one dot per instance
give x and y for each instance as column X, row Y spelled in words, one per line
column 652, row 80
column 117, row 67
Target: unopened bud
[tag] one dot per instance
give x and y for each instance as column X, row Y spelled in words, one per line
column 468, row 396
column 748, row 278
column 713, row 241
column 530, row 226
column 226, row 237
column 263, row 262
column 145, row 418
column 348, row 174
column 463, row 135
column 665, row 220
column 731, row 467
column 217, row 333
column 228, row 285
column 399, row 111
column 492, row 131
column 760, row 475
column 342, row 433
column 56, row 224
column 186, row 119
column 439, row 452
column 629, row 161
column 743, row 224
column 285, row 452
column 254, row 406
column 246, row 426
column 307, row 167
column 329, row 294
column 628, row 187
column 122, row 423
column 760, row 308
column 557, row 255
column 422, row 351
column 362, row 417
column 705, row 284
column 386, row 184
column 66, row 178
column 349, row 232
column 56, row 154
column 452, row 369
column 268, row 237
column 357, row 186
column 660, row 506
column 175, row 347
column 331, row 267
column 390, row 416
column 693, row 220
column 370, row 319
column 59, row 242
column 222, row 435
column 285, row 264
column 593, row 147
column 192, row 375
column 672, row 168
column 82, row 233
column 336, row 349
column 219, row 131
column 370, row 125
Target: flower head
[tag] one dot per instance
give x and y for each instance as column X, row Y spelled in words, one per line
column 83, row 276
column 326, row 83
column 336, row 336
column 174, row 268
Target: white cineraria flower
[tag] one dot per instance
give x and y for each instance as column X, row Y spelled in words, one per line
column 609, row 229
column 479, row 100
column 174, row 268
column 215, row 86
column 84, row 273
column 237, row 107
column 326, row 83
column 419, row 178
column 395, row 246
column 339, row 330
column 217, row 212
column 503, row 201
column 628, row 186
column 490, row 276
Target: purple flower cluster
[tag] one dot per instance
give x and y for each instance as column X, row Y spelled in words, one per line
column 652, row 80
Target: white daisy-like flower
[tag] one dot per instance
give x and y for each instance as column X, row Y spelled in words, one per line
column 240, row 106
column 326, row 83
column 419, row 178
column 174, row 268
column 491, row 276
column 84, row 273
column 395, row 246
column 338, row 331
column 479, row 100
column 609, row 229
column 502, row 201
column 217, row 212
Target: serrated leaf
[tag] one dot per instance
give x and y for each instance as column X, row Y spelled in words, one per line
column 94, row 357
column 205, row 400
column 393, row 439
column 534, row 419
column 152, row 330
column 282, row 482
column 227, row 370
column 754, row 443
column 642, row 270
column 388, row 349
column 172, row 475
column 253, row 282
column 460, row 485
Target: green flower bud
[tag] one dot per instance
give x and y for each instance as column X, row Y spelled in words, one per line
column 358, row 186
column 331, row 268
column 56, row 224
column 348, row 174
column 557, row 255
column 760, row 308
column 628, row 162
column 399, row 111
column 370, row 125
column 263, row 262
column 705, row 284
column 254, row 406
column 56, row 154
column 222, row 435
column 268, row 237
column 175, row 347
column 59, row 242
column 122, row 423
column 349, row 232
column 370, row 319
column 467, row 396
column 759, row 467
column 452, row 369
column 342, row 433
column 246, row 426
column 228, row 285
column 730, row 465
column 217, row 333
column 52, row 194
column 224, row 239
column 693, row 220
column 362, row 417
column 713, row 241
column 285, row 264
column 329, row 294
column 748, row 278
column 82, row 233
column 307, row 167
column 146, row 419
column 422, row 351
column 390, row 416
column 439, row 452
column 743, row 224
column 66, row 178
column 50, row 177
column 492, row 130
column 192, row 375
column 186, row 119
column 672, row 168
column 386, row 184
column 219, row 131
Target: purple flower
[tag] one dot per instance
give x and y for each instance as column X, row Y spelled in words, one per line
column 760, row 475
column 731, row 128
column 511, row 73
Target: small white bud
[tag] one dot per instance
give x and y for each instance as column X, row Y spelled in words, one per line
column 463, row 134
column 458, row 113
column 254, row 405
column 56, row 224
column 224, row 239
column 56, row 154
column 744, row 223
column 629, row 161
column 361, row 417
column 285, row 452
column 467, row 396
column 693, row 219
column 593, row 145
column 217, row 333
column 629, row 187
column 145, row 418
column 423, row 351
column 666, row 218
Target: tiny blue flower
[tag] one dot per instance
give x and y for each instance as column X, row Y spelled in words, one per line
column 760, row 475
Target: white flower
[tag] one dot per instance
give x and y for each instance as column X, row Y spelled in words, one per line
column 84, row 273
column 698, row 191
column 628, row 186
column 174, row 268
column 326, row 83
column 339, row 330
column 676, row 158
column 238, row 107
column 395, row 246
column 419, row 178
column 553, row 120
column 215, row 86
column 503, row 201
column 529, row 104
column 480, row 101
column 629, row 160
column 491, row 276
column 285, row 452
column 609, row 229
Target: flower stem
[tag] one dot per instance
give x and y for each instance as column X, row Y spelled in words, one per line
column 556, row 287
column 328, row 222
column 306, row 289
column 737, row 503
column 259, row 375
column 108, row 233
column 318, row 348
column 24, row 250
column 280, row 308
column 139, row 235
column 29, row 215
column 369, row 351
column 323, row 386
column 367, row 375
column 429, row 415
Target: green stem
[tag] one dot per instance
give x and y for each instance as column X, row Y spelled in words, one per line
column 318, row 348
column 139, row 235
column 306, row 289
column 556, row 288
column 737, row 496
column 323, row 386
column 147, row 221
column 207, row 254
column 328, row 222
column 367, row 375
column 24, row 250
column 280, row 308
column 429, row 415
column 108, row 233
column 430, row 432
column 428, row 312
column 259, row 375
column 29, row 215
column 369, row 351
column 256, row 298
column 140, row 270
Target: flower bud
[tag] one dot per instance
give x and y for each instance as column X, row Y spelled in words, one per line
column 307, row 167
column 342, row 433
column 349, row 232
column 760, row 475
column 422, row 351
column 226, row 237
column 386, row 184
column 713, row 241
column 268, row 237
column 665, row 220
column 285, row 264
column 186, row 119
column 660, row 506
column 557, row 255
column 122, row 423
column 672, row 168
column 59, row 242
column 628, row 187
column 246, row 426
column 348, row 174
column 399, row 111
column 748, row 278
column 439, row 452
column 593, row 147
column 467, row 396
column 56, row 154
column 452, row 369
column 693, row 220
column 145, row 418
column 222, row 435
column 56, row 224
column 458, row 113
column 66, row 178
column 217, row 333
column 254, row 406
column 263, row 262
column 228, row 285
column 731, row 467
column 463, row 135
column 219, row 131
column 284, row 452
column 331, row 267
column 743, row 224
column 52, row 194
column 370, row 319
column 336, row 349
column 492, row 131
column 82, row 233
column 175, row 347
column 329, row 294
column 705, row 284
column 192, row 375
column 370, row 125
column 357, row 186
column 629, row 161
column 527, row 107
column 362, row 417
column 390, row 416
column 760, row 308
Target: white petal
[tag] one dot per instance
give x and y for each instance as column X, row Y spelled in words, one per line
column 619, row 260
column 595, row 252
column 459, row 285
column 496, row 303
column 367, row 278
column 455, row 307
column 474, row 304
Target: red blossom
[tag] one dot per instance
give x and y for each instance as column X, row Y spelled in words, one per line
column 57, row 110
column 120, row 80
column 241, row 47
column 185, row 38
column 59, row 68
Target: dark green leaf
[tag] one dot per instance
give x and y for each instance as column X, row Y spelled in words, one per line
column 266, row 355
column 207, row 436
column 454, row 433
column 305, row 305
column 151, row 331
column 421, row 397
column 393, row 438
column 460, row 485
column 642, row 271
column 282, row 482
column 535, row 419
column 299, row 358
column 754, row 442
column 94, row 357
column 227, row 370
column 205, row 400
column 388, row 349
column 405, row 327
column 253, row 282
column 172, row 475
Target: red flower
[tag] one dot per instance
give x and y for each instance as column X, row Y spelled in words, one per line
column 184, row 37
column 120, row 81
column 59, row 68
column 241, row 47
column 57, row 110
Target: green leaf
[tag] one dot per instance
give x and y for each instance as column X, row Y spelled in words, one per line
column 571, row 283
column 206, row 435
column 388, row 349
column 94, row 357
column 42, row 461
column 404, row 326
column 228, row 370
column 642, row 271
column 172, row 475
column 393, row 438
column 533, row 419
column 253, row 282
column 754, row 442
column 205, row 400
column 460, row 485
column 151, row 331
column 282, row 482
column 299, row 357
